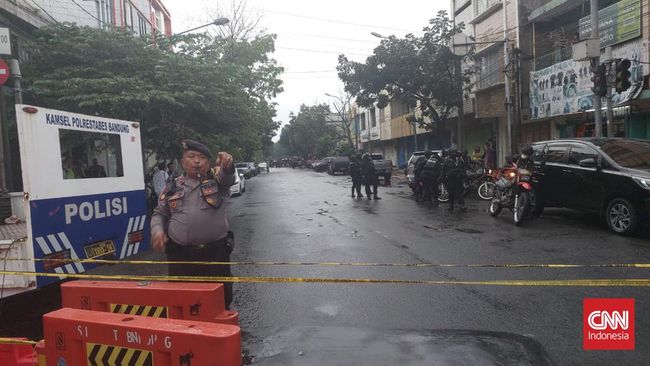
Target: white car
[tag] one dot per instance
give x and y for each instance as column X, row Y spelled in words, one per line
column 262, row 167
column 239, row 187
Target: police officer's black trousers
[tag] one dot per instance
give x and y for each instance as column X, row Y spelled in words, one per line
column 356, row 186
column 218, row 251
column 430, row 184
column 455, row 189
column 373, row 185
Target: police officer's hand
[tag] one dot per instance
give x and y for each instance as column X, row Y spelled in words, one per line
column 225, row 162
column 159, row 240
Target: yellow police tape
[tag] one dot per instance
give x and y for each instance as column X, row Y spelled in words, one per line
column 343, row 264
column 641, row 282
column 17, row 341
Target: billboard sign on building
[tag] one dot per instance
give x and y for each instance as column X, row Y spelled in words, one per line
column 617, row 23
column 565, row 88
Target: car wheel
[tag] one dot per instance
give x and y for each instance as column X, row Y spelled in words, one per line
column 621, row 216
column 387, row 179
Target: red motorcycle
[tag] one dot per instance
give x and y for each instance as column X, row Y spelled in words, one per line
column 514, row 190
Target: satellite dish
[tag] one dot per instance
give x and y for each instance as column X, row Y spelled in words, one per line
column 460, row 44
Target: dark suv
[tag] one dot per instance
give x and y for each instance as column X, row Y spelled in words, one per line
column 608, row 176
column 338, row 164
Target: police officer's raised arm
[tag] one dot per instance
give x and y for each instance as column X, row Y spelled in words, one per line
column 225, row 170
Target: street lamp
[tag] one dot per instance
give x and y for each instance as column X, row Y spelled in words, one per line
column 219, row 21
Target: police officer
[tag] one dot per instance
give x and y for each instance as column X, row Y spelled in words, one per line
column 454, row 171
column 369, row 176
column 430, row 176
column 355, row 172
column 190, row 221
column 525, row 161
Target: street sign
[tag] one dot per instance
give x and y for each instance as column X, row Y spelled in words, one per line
column 5, row 42
column 4, row 72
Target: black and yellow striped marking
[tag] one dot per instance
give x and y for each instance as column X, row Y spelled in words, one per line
column 106, row 355
column 141, row 310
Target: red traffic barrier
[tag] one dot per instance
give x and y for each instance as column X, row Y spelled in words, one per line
column 173, row 300
column 80, row 337
column 17, row 354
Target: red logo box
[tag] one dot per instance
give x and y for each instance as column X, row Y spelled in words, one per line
column 608, row 324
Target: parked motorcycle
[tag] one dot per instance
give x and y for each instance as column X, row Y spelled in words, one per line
column 514, row 191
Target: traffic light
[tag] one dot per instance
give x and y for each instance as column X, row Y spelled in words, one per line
column 599, row 79
column 623, row 75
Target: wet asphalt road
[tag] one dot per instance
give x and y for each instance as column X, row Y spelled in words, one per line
column 297, row 215
column 303, row 216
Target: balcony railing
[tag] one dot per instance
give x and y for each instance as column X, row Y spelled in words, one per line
column 559, row 55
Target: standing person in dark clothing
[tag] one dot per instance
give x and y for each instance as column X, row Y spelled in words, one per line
column 369, row 176
column 431, row 176
column 454, row 171
column 190, row 222
column 355, row 172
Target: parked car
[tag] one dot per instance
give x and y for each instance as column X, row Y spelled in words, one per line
column 384, row 168
column 338, row 164
column 262, row 167
column 252, row 168
column 239, row 187
column 245, row 169
column 323, row 164
column 607, row 176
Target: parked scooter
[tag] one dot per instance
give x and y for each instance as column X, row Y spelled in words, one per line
column 514, row 191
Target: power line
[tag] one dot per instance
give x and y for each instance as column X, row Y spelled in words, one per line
column 309, row 72
column 321, row 51
column 337, row 21
column 331, row 37
column 87, row 12
column 45, row 11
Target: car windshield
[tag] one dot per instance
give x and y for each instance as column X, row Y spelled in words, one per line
column 377, row 157
column 633, row 154
column 241, row 165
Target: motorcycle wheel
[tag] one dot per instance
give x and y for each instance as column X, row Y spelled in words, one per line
column 521, row 208
column 443, row 194
column 495, row 208
column 486, row 190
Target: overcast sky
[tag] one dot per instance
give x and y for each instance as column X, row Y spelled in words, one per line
column 311, row 35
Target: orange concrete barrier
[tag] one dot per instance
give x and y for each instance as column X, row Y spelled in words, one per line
column 80, row 337
column 173, row 300
column 17, row 354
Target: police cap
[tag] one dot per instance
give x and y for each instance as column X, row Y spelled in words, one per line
column 191, row 145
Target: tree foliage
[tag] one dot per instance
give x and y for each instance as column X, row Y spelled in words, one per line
column 308, row 135
column 422, row 71
column 217, row 90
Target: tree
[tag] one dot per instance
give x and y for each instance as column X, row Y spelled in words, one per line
column 422, row 71
column 308, row 135
column 218, row 90
column 342, row 107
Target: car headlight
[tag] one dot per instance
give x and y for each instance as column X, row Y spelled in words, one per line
column 643, row 182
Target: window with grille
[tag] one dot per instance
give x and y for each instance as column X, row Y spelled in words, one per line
column 490, row 73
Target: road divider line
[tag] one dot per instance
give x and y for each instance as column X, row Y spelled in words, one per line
column 625, row 282
column 341, row 264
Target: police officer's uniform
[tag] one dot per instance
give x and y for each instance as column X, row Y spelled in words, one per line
column 192, row 214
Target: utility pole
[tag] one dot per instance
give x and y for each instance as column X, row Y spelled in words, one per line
column 508, row 101
column 598, row 118
column 611, row 76
column 459, row 78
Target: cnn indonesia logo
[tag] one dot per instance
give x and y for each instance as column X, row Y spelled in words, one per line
column 608, row 324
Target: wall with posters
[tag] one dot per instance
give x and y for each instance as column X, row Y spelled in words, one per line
column 565, row 87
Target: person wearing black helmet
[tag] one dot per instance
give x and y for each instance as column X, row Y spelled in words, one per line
column 369, row 176
column 355, row 172
column 454, row 170
column 524, row 160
